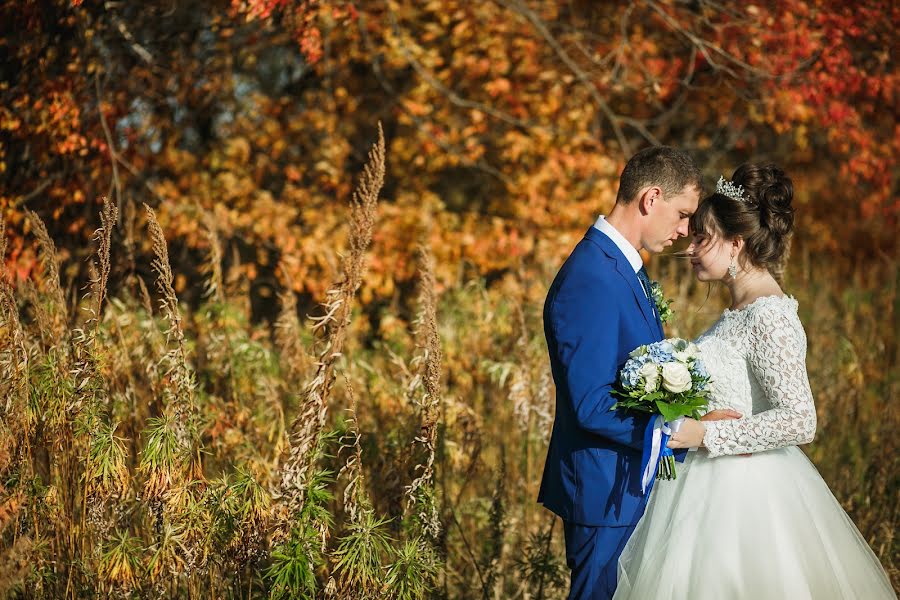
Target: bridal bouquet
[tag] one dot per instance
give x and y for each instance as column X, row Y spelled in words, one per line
column 666, row 378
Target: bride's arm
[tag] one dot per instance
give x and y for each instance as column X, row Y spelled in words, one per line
column 777, row 357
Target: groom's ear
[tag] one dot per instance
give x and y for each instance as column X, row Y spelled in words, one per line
column 648, row 197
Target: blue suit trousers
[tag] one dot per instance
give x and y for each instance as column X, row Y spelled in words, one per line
column 592, row 553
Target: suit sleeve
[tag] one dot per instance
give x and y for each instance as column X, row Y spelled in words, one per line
column 585, row 322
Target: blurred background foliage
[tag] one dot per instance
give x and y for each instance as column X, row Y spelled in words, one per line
column 508, row 122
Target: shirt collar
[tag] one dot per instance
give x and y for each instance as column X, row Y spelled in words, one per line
column 633, row 256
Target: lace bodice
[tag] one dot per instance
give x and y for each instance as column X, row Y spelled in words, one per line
column 756, row 357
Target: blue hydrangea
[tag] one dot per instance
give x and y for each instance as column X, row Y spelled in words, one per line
column 661, row 352
column 630, row 376
column 641, row 360
column 699, row 369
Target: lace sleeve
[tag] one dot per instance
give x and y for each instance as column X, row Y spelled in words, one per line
column 777, row 358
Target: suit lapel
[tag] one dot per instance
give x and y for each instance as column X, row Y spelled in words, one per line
column 627, row 273
column 625, row 270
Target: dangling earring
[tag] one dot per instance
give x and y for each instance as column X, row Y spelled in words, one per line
column 732, row 268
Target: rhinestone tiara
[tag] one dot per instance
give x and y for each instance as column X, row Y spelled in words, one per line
column 727, row 188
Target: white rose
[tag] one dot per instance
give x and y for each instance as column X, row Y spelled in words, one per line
column 675, row 377
column 639, row 351
column 650, row 373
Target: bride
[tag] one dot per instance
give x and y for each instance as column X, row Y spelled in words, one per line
column 749, row 516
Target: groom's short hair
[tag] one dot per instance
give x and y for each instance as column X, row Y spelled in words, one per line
column 669, row 168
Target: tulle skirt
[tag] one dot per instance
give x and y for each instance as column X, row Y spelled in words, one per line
column 764, row 526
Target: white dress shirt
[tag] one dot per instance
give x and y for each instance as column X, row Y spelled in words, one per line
column 633, row 256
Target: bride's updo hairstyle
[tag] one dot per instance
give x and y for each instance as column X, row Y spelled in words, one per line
column 761, row 215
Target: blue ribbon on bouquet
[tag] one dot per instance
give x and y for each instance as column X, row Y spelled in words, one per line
column 655, row 448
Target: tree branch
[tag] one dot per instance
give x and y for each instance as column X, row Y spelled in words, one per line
column 35, row 192
column 387, row 87
column 116, row 182
column 579, row 73
column 451, row 94
column 136, row 47
column 704, row 47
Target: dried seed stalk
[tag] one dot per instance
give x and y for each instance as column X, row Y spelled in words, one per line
column 429, row 362
column 310, row 421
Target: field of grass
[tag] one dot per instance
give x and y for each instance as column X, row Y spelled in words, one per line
column 155, row 449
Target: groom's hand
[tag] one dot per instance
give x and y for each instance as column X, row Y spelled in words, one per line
column 690, row 435
column 723, row 414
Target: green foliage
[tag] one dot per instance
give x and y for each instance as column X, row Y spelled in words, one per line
column 252, row 499
column 670, row 406
column 162, row 452
column 361, row 553
column 296, row 560
column 50, row 390
column 167, row 554
column 106, row 467
column 542, row 568
column 292, row 572
column 120, row 564
column 411, row 575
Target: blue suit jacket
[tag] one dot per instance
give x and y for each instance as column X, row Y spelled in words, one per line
column 595, row 314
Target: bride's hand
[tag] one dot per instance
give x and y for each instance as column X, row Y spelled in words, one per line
column 689, row 435
column 722, row 414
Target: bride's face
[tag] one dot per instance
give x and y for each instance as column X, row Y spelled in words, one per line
column 710, row 256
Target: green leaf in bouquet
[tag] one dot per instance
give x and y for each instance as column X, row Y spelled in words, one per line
column 654, row 396
column 694, row 401
column 633, row 404
column 670, row 411
column 617, row 393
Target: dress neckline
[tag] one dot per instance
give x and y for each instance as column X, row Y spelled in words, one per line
column 761, row 300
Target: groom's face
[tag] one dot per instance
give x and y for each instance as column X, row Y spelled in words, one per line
column 669, row 218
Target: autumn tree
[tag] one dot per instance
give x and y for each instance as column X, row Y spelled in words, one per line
column 507, row 120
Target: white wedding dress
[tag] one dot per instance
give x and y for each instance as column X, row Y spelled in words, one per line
column 763, row 526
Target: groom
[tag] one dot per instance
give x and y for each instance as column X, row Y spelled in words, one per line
column 599, row 309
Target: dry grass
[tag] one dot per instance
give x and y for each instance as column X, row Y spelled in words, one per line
column 414, row 475
column 55, row 306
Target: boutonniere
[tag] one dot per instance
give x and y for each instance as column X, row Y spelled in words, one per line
column 662, row 305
